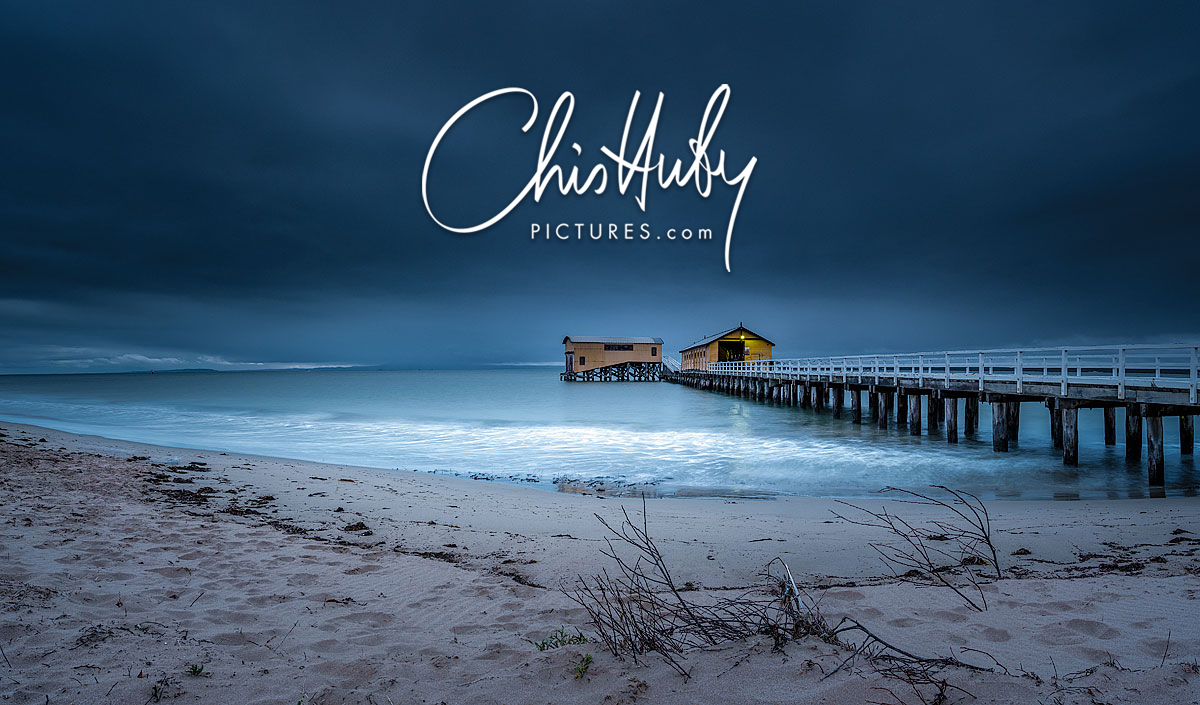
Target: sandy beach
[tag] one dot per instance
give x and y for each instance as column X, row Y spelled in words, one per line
column 132, row 573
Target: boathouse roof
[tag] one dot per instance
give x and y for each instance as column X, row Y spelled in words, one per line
column 619, row 341
column 722, row 334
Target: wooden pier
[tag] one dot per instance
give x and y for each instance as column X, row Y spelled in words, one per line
column 1149, row 382
column 620, row 372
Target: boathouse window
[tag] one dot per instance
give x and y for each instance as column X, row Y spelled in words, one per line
column 618, row 347
column 653, row 351
column 582, row 361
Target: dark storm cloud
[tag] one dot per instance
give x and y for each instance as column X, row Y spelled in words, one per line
column 206, row 185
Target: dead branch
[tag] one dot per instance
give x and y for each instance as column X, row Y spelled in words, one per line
column 937, row 554
column 638, row 610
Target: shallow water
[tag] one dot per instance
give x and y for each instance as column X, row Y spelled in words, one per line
column 526, row 424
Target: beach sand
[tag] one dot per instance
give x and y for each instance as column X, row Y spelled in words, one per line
column 121, row 576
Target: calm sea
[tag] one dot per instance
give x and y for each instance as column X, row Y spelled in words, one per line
column 526, row 424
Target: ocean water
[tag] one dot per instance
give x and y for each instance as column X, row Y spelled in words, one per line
column 524, row 425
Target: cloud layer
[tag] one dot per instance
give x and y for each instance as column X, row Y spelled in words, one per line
column 242, row 182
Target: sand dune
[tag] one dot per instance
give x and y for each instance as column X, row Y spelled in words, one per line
column 118, row 576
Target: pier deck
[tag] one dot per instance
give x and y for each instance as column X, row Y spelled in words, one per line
column 1148, row 381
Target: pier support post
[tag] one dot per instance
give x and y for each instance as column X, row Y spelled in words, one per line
column 1056, row 427
column 881, row 403
column 1133, row 433
column 931, row 410
column 901, row 405
column 873, row 402
column 950, row 405
column 1014, row 421
column 821, row 396
column 1110, row 426
column 856, row 406
column 1154, row 450
column 941, row 409
column 838, row 401
column 914, row 414
column 805, row 396
column 999, row 427
column 1070, row 424
column 971, row 415
column 1187, row 434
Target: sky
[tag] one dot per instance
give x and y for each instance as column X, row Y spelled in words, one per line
column 239, row 185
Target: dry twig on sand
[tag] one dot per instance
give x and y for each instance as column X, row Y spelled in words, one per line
column 639, row 610
column 934, row 555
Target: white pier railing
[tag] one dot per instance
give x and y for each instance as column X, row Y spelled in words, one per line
column 1115, row 367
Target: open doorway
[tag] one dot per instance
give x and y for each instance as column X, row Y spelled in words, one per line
column 731, row 350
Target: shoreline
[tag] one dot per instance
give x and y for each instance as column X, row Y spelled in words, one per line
column 615, row 487
column 449, row 579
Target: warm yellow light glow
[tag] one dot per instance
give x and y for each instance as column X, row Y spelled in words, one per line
column 743, row 337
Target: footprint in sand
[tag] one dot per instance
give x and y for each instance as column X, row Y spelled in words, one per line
column 950, row 616
column 1096, row 630
column 1074, row 632
column 995, row 635
column 302, row 579
column 903, row 622
column 1058, row 635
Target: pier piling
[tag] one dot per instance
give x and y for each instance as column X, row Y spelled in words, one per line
column 1154, row 450
column 914, row 414
column 1070, row 425
column 1187, row 434
column 1014, row 421
column 856, row 406
column 1133, row 433
column 970, row 415
column 999, row 427
column 1110, row 426
column 881, row 405
column 950, row 407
